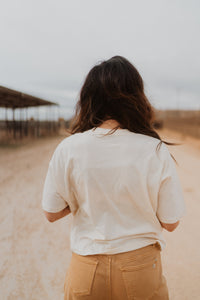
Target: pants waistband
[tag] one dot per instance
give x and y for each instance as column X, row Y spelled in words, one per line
column 140, row 251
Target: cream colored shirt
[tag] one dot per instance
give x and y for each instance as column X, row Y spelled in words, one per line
column 118, row 188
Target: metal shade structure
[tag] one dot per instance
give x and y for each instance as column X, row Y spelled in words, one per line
column 13, row 99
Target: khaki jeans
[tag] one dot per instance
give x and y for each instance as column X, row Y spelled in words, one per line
column 135, row 274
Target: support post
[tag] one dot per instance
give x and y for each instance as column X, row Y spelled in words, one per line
column 14, row 124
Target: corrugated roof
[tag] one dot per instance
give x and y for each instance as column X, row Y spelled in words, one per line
column 14, row 99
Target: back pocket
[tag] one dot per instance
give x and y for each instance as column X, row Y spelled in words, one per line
column 142, row 280
column 80, row 275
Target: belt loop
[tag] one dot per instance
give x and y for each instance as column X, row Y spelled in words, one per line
column 157, row 245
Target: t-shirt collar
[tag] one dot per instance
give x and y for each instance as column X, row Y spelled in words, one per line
column 100, row 130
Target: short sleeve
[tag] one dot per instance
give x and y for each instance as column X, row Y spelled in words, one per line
column 54, row 198
column 171, row 204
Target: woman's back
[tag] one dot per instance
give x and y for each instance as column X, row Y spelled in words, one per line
column 112, row 185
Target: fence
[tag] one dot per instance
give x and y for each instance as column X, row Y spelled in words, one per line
column 12, row 131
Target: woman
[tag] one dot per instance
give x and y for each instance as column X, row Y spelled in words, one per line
column 119, row 181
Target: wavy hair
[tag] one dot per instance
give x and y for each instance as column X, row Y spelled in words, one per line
column 114, row 89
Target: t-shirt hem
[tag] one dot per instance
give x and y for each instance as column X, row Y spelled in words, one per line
column 116, row 250
column 53, row 210
column 173, row 220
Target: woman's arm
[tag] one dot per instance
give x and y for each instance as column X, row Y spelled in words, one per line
column 169, row 227
column 52, row 217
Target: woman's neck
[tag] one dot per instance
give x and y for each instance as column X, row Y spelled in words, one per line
column 109, row 124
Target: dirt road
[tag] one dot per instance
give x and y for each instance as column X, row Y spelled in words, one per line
column 34, row 257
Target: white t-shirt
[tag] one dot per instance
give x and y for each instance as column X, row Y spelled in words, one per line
column 118, row 187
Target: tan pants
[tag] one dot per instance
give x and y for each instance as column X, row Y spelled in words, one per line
column 129, row 275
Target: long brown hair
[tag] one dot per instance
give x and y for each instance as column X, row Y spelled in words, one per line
column 114, row 89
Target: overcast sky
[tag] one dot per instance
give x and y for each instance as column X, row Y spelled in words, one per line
column 48, row 47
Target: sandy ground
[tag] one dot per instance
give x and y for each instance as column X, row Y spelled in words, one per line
column 35, row 254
